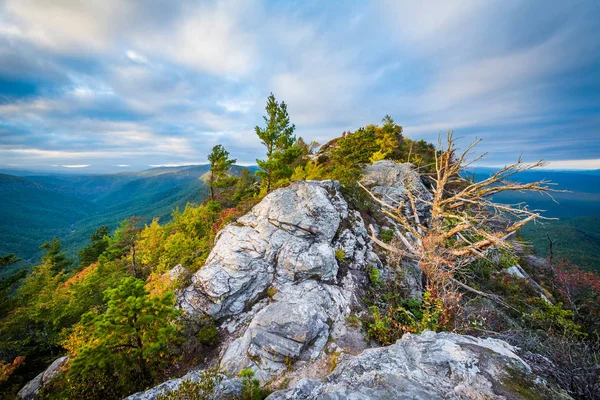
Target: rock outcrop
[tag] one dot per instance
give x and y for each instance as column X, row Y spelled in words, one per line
column 429, row 366
column 32, row 388
column 231, row 388
column 284, row 277
column 282, row 280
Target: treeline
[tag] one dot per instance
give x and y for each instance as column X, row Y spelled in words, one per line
column 113, row 313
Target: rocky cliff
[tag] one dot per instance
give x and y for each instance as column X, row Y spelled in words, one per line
column 282, row 281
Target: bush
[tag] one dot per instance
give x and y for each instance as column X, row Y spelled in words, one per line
column 340, row 255
column 386, row 235
column 208, row 334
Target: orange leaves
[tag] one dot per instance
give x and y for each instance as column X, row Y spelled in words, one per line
column 6, row 370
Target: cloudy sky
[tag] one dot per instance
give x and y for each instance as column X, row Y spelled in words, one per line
column 126, row 84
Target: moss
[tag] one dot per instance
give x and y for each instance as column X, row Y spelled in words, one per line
column 333, row 361
column 515, row 383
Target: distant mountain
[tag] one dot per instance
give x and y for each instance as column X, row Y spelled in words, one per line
column 576, row 234
column 583, row 198
column 576, row 240
column 36, row 208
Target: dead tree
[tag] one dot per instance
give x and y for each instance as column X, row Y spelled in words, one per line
column 464, row 222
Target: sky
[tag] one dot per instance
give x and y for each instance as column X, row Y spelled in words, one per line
column 114, row 85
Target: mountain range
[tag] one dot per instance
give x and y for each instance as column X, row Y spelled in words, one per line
column 37, row 207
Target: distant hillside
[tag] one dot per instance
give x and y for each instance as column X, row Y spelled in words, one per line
column 576, row 240
column 583, row 199
column 37, row 208
column 576, row 234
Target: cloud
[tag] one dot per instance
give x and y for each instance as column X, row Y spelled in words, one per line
column 149, row 82
column 62, row 25
column 75, row 165
column 217, row 38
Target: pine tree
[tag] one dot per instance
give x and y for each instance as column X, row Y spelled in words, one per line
column 278, row 137
column 99, row 243
column 54, row 257
column 220, row 163
column 244, row 185
column 130, row 342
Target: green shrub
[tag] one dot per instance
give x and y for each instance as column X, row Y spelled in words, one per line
column 340, row 255
column 208, row 333
column 353, row 321
column 386, row 235
column 374, row 277
column 251, row 389
column 553, row 318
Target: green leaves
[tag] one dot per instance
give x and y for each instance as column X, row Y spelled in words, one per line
column 54, row 257
column 220, row 163
column 130, row 341
column 99, row 243
column 9, row 259
column 278, row 137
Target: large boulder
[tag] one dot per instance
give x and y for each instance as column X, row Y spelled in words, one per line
column 32, row 388
column 391, row 181
column 288, row 237
column 429, row 366
column 284, row 277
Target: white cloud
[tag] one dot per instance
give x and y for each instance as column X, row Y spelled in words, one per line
column 136, row 57
column 218, row 38
column 65, row 26
column 76, row 165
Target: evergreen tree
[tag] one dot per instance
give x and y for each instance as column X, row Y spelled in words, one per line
column 8, row 259
column 90, row 254
column 220, row 163
column 244, row 185
column 278, row 137
column 389, row 137
column 54, row 257
column 129, row 343
column 8, row 284
column 123, row 242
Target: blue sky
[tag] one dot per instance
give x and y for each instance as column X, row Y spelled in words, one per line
column 120, row 85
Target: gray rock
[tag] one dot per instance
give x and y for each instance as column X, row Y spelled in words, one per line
column 288, row 243
column 287, row 236
column 293, row 327
column 176, row 273
column 226, row 386
column 428, row 366
column 389, row 181
column 518, row 272
column 32, row 388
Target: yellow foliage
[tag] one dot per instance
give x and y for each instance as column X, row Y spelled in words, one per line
column 159, row 284
column 310, row 171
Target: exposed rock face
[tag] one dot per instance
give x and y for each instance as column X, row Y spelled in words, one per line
column 286, row 247
column 390, row 181
column 428, row 366
column 223, row 389
column 31, row 389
